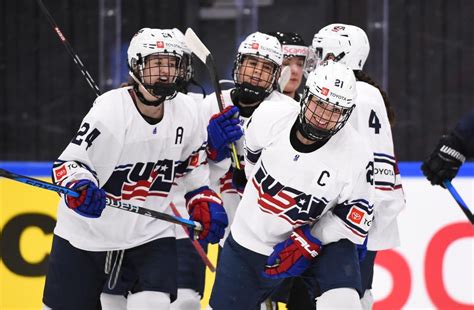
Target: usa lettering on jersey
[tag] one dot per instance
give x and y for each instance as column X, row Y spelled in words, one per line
column 294, row 206
column 140, row 180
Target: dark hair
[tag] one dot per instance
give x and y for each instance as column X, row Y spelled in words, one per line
column 288, row 38
column 364, row 77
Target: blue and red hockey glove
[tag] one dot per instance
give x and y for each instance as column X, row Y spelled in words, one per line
column 222, row 130
column 91, row 201
column 292, row 257
column 205, row 207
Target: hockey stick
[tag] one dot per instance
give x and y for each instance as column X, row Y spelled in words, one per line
column 200, row 50
column 459, row 200
column 69, row 49
column 195, row 243
column 284, row 78
column 109, row 202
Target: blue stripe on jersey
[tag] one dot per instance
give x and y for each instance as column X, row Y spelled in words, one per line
column 36, row 168
column 253, row 156
column 384, row 155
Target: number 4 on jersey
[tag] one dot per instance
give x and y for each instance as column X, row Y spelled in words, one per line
column 89, row 138
column 374, row 121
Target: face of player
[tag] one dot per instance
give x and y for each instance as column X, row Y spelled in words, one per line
column 322, row 115
column 296, row 65
column 160, row 68
column 256, row 71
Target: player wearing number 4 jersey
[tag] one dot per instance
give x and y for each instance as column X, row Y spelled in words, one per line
column 133, row 145
column 308, row 199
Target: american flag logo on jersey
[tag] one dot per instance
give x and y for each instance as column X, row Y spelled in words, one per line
column 141, row 180
column 296, row 207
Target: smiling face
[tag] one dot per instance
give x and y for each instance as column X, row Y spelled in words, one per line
column 322, row 115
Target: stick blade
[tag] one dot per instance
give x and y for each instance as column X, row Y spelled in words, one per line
column 195, row 45
column 284, row 78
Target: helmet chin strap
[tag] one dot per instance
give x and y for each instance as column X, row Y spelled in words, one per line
column 144, row 95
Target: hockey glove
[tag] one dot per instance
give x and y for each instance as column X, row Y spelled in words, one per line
column 222, row 130
column 91, row 201
column 444, row 163
column 292, row 257
column 205, row 207
column 239, row 179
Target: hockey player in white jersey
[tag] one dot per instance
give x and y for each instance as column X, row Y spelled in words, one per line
column 372, row 118
column 255, row 74
column 132, row 146
column 191, row 269
column 308, row 200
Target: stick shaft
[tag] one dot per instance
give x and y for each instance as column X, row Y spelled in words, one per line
column 69, row 49
column 459, row 201
column 194, row 242
column 110, row 202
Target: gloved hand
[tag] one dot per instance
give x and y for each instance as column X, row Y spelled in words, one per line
column 292, row 257
column 91, row 201
column 205, row 207
column 444, row 163
column 362, row 250
column 222, row 130
column 239, row 179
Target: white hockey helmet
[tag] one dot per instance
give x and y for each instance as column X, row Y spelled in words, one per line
column 147, row 42
column 261, row 46
column 328, row 100
column 348, row 44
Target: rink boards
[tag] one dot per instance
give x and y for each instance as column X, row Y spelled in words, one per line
column 432, row 269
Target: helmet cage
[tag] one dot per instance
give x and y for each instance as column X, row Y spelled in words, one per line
column 244, row 76
column 168, row 66
column 331, row 117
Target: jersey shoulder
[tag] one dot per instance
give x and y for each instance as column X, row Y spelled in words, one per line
column 368, row 96
column 355, row 144
column 112, row 107
column 272, row 116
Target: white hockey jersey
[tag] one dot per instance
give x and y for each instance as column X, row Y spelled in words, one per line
column 221, row 172
column 178, row 194
column 135, row 162
column 370, row 119
column 286, row 188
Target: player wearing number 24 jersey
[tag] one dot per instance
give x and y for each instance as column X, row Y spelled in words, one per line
column 132, row 146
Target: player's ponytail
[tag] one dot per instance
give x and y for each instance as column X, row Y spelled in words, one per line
column 364, row 77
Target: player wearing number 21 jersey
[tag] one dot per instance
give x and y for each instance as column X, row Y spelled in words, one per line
column 310, row 186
